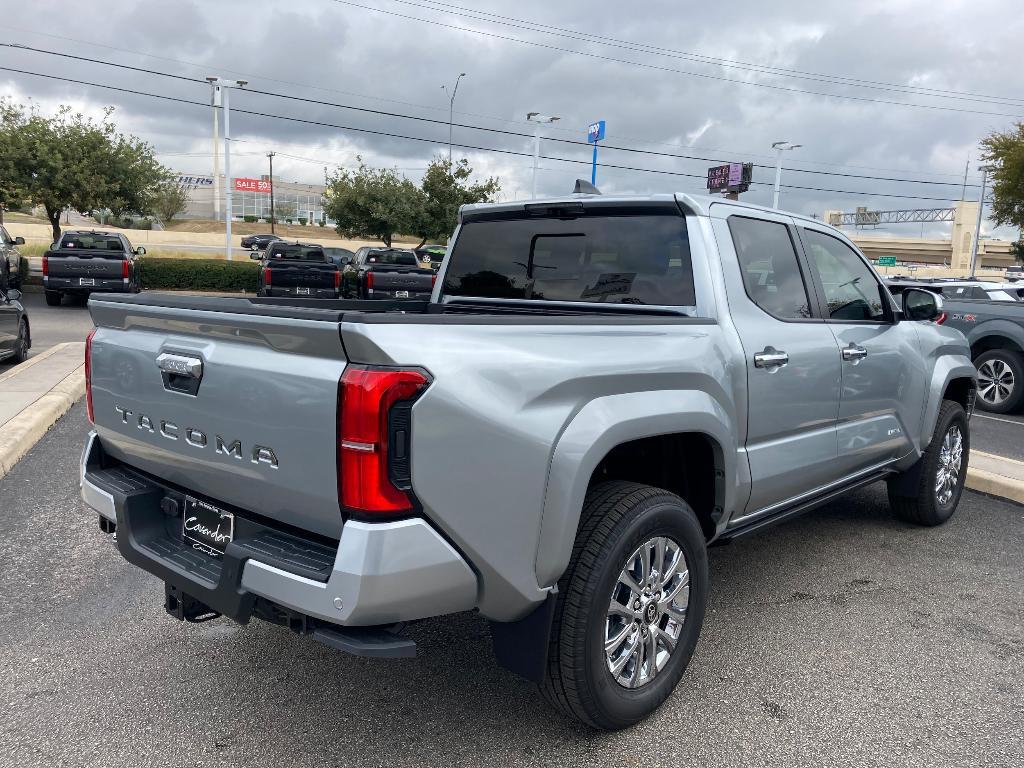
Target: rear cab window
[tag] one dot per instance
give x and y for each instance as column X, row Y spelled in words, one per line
column 599, row 254
column 295, row 252
column 396, row 258
column 92, row 241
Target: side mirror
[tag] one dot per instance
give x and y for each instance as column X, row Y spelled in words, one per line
column 140, row 251
column 255, row 255
column 919, row 304
column 19, row 241
column 13, row 294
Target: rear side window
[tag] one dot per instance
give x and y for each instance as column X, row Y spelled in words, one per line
column 616, row 257
column 768, row 263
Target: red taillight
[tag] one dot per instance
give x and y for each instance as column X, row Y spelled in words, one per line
column 88, row 377
column 46, row 265
column 433, row 280
column 369, row 281
column 124, row 269
column 941, row 318
column 266, row 276
column 337, row 279
column 366, row 397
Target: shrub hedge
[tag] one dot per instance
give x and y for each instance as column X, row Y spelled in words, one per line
column 198, row 274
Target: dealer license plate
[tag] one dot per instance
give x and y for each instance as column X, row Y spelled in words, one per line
column 302, row 291
column 401, row 294
column 86, row 281
column 207, row 528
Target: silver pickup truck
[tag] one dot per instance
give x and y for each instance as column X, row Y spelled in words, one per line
column 598, row 389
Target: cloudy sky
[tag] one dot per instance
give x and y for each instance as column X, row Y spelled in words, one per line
column 681, row 85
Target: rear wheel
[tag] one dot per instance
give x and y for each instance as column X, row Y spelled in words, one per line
column 52, row 298
column 630, row 606
column 1000, row 380
column 942, row 468
column 21, row 344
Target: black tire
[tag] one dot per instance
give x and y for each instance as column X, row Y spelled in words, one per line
column 52, row 298
column 1013, row 363
column 22, row 343
column 922, row 506
column 618, row 517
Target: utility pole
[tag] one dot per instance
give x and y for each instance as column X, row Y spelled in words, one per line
column 977, row 227
column 225, row 86
column 778, row 146
column 451, row 112
column 963, row 189
column 539, row 120
column 270, row 156
column 215, row 104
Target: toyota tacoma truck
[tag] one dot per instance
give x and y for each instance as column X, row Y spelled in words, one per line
column 298, row 270
column 83, row 263
column 598, row 389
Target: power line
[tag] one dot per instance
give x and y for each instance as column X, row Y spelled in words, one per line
column 554, row 128
column 517, row 134
column 659, row 68
column 572, row 34
column 471, row 147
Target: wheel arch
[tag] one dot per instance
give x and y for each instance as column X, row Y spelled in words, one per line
column 993, row 336
column 641, row 437
column 954, row 377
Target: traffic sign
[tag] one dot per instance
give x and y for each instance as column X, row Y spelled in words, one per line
column 886, row 261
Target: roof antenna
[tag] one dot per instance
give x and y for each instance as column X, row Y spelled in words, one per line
column 584, row 187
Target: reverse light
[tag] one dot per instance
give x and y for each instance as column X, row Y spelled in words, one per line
column 88, row 377
column 374, row 437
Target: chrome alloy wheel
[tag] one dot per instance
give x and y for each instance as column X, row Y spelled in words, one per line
column 995, row 381
column 951, row 457
column 646, row 612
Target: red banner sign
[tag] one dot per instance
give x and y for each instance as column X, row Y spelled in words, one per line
column 252, row 185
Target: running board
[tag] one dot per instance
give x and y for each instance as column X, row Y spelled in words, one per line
column 788, row 513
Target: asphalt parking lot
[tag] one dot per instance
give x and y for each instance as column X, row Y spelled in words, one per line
column 842, row 638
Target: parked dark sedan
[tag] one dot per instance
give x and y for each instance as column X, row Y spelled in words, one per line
column 15, row 333
column 259, row 242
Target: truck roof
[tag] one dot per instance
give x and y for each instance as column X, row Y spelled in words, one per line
column 699, row 204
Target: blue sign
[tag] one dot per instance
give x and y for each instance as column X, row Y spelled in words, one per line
column 595, row 132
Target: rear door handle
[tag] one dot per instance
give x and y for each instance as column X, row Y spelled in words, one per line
column 770, row 359
column 853, row 353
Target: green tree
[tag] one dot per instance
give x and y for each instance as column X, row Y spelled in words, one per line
column 171, row 199
column 73, row 161
column 1005, row 153
column 445, row 188
column 372, row 204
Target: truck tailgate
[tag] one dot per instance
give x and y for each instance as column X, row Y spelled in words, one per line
column 258, row 433
column 94, row 264
column 295, row 274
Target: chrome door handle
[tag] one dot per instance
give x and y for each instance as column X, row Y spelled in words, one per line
column 770, row 359
column 853, row 353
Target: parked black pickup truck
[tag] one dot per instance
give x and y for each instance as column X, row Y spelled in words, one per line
column 297, row 269
column 89, row 262
column 386, row 273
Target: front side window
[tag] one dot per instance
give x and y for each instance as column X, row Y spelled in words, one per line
column 597, row 255
column 768, row 263
column 851, row 290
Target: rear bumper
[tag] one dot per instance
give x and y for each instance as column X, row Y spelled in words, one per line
column 378, row 573
column 73, row 285
column 314, row 293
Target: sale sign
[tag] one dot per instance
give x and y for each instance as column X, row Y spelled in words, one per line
column 252, row 185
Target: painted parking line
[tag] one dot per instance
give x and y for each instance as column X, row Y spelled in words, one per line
column 996, row 418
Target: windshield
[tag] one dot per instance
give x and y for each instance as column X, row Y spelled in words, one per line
column 94, row 241
column 615, row 256
column 398, row 258
column 296, row 252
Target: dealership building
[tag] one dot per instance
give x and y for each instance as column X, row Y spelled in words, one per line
column 251, row 197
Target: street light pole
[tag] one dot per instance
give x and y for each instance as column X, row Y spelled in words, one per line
column 778, row 146
column 215, row 104
column 270, row 156
column 977, row 227
column 539, row 120
column 451, row 112
column 225, row 86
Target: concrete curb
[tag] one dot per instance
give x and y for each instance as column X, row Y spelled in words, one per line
column 22, row 432
column 1008, row 486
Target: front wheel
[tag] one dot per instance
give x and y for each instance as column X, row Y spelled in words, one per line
column 1000, row 380
column 630, row 606
column 942, row 471
column 22, row 343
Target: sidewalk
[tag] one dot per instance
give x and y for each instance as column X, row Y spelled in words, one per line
column 996, row 476
column 34, row 395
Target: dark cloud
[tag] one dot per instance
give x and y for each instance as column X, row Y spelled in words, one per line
column 334, row 52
